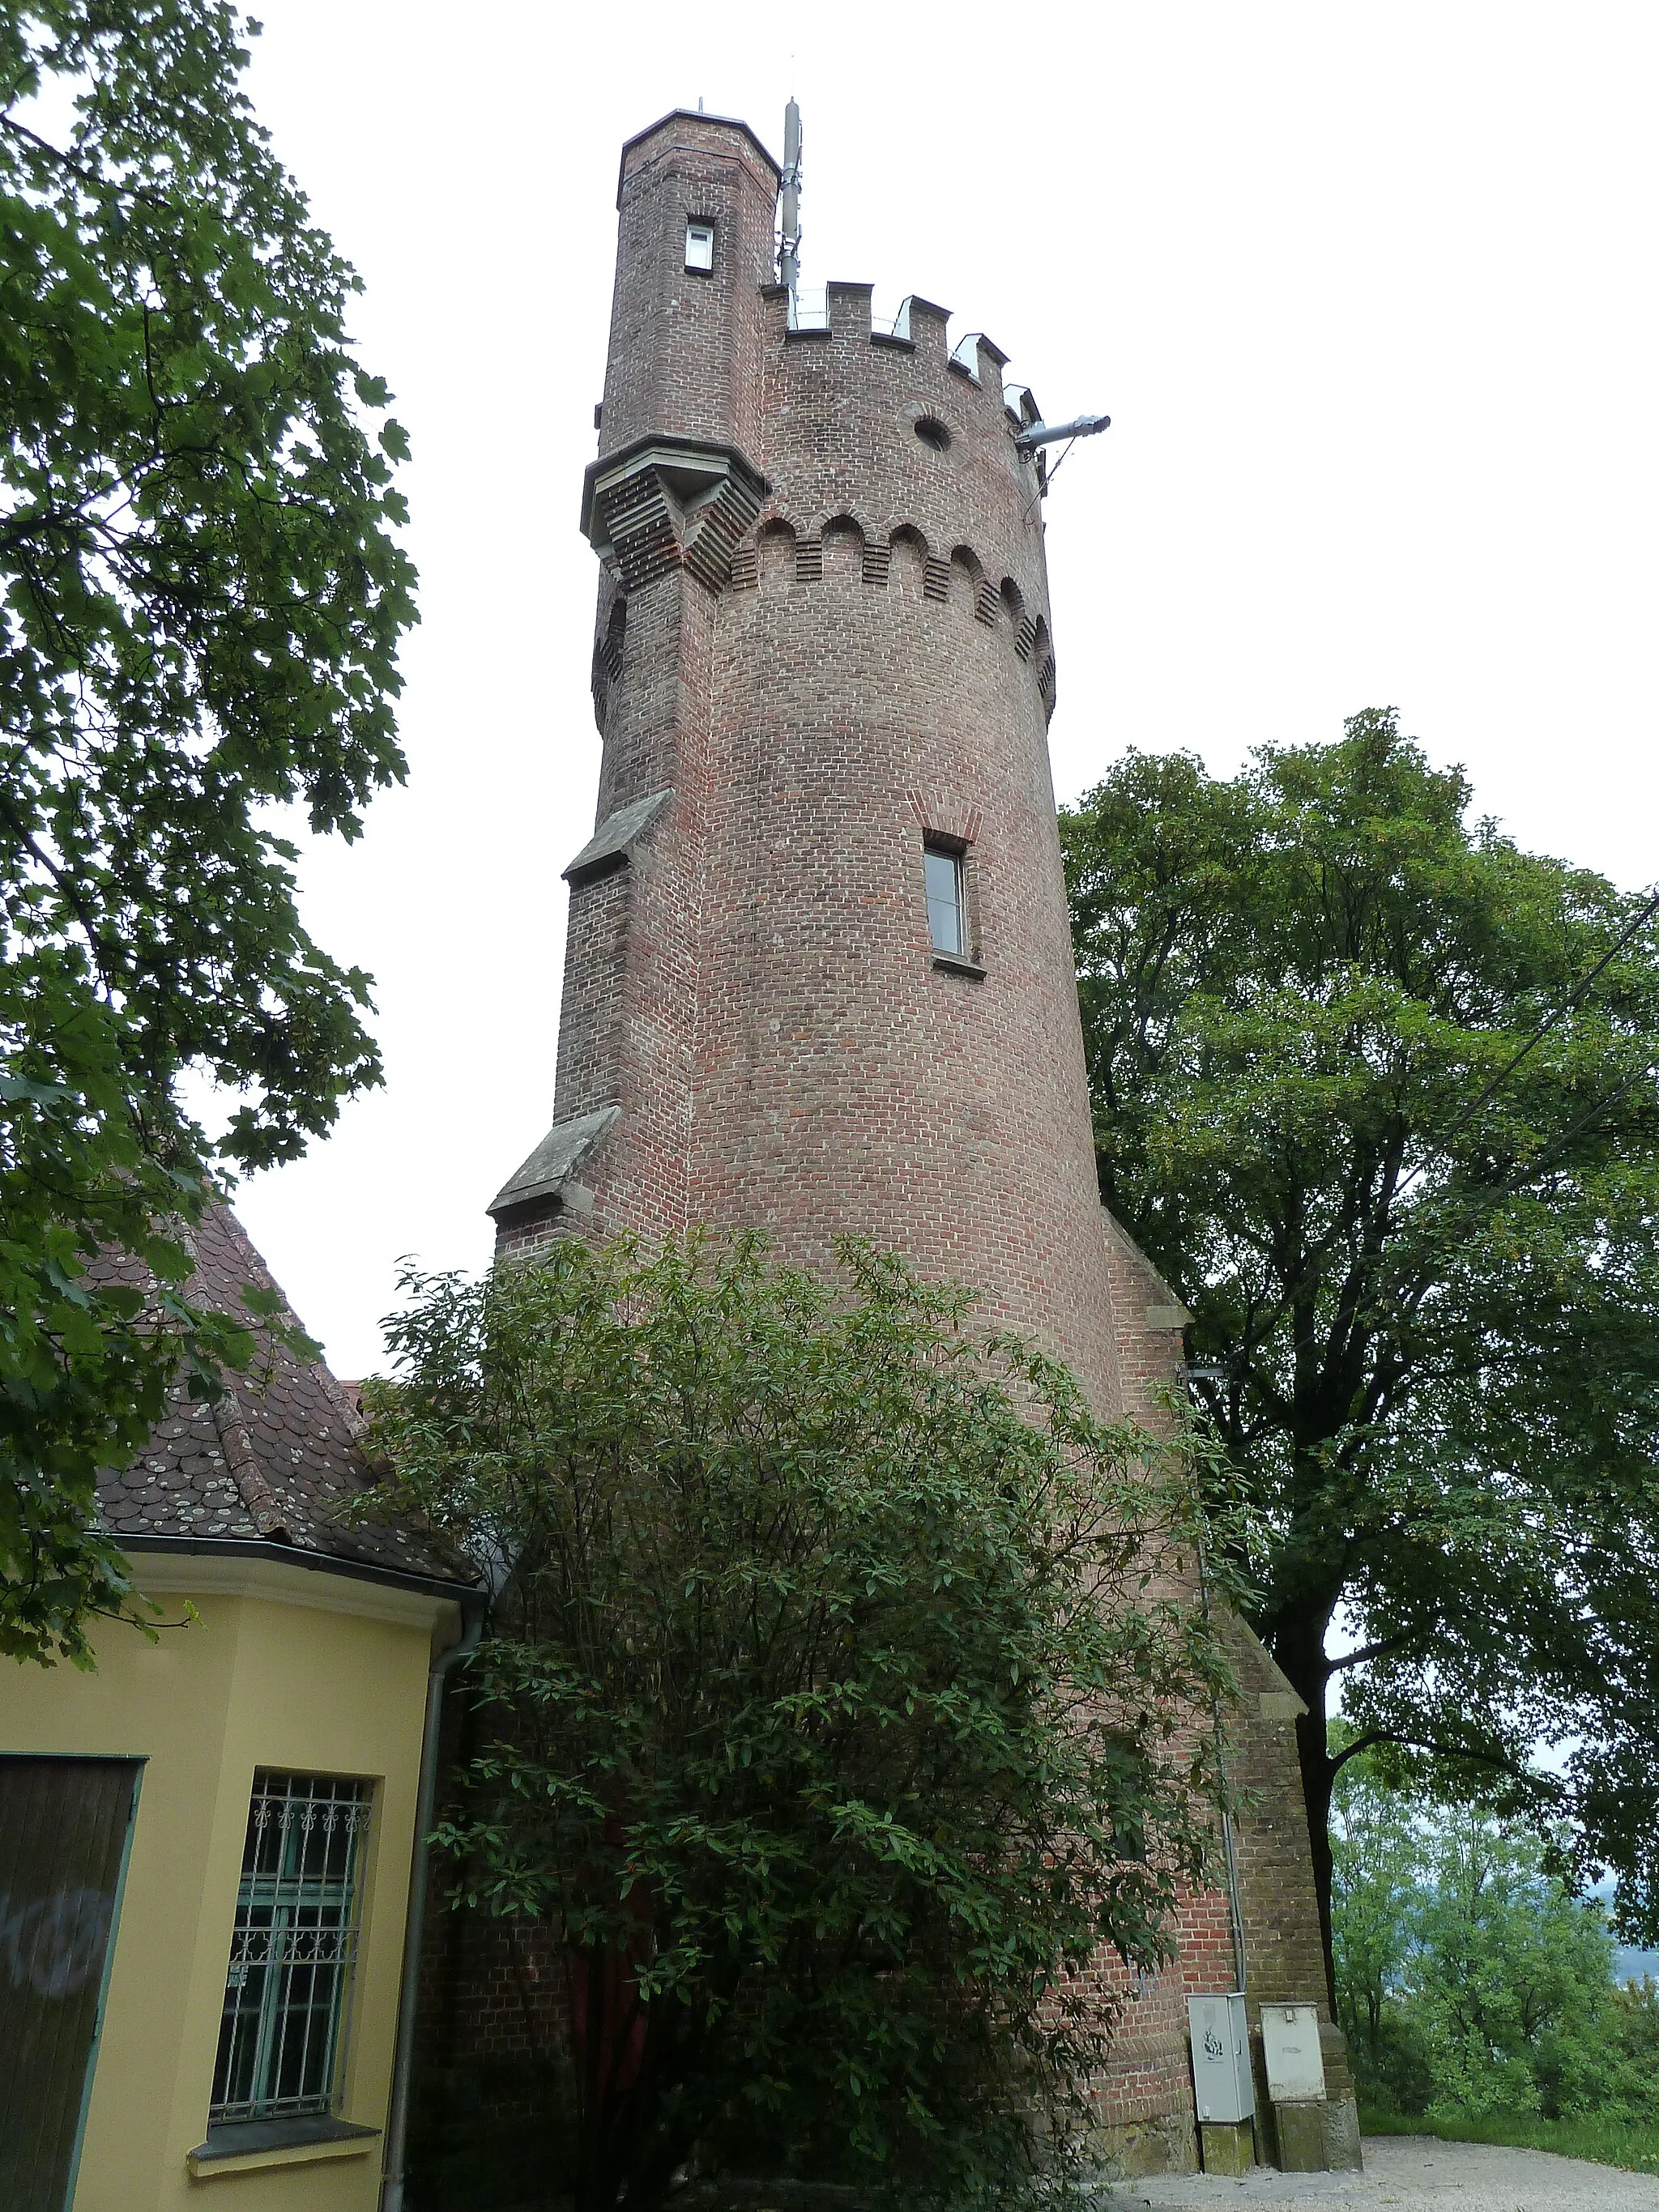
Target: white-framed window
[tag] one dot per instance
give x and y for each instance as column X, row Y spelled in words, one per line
column 282, row 2037
column 700, row 246
column 947, row 903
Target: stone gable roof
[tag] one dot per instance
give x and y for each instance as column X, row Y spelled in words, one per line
column 276, row 1459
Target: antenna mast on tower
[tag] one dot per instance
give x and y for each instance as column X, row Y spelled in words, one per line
column 789, row 207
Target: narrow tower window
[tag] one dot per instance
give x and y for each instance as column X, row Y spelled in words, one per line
column 947, row 916
column 700, row 246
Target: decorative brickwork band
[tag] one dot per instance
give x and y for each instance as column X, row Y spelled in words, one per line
column 717, row 526
column 639, row 527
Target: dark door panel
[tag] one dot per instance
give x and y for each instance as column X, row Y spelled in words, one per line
column 64, row 1824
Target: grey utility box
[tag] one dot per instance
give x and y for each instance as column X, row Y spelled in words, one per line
column 1290, row 2039
column 1221, row 2059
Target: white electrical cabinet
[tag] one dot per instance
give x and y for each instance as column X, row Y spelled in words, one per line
column 1290, row 2036
column 1221, row 2058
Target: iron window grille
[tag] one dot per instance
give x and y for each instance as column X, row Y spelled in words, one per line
column 283, row 2033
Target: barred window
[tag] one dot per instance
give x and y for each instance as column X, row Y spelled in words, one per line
column 282, row 2035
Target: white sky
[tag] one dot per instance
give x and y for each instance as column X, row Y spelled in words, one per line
column 1368, row 291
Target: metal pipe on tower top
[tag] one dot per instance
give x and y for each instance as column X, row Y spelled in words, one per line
column 1050, row 433
column 789, row 206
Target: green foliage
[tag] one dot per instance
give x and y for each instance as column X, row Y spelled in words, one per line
column 1421, row 1247
column 1470, row 1983
column 843, row 1704
column 200, row 603
column 1512, row 1973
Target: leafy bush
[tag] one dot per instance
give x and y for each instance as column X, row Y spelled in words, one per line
column 845, row 1704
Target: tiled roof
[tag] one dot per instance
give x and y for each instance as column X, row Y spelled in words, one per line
column 275, row 1458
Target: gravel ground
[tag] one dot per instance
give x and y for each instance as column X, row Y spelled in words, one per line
column 1416, row 2173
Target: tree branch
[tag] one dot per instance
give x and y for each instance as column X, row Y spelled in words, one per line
column 1367, row 1651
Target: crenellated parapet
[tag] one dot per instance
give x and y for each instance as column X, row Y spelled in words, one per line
column 921, row 328
column 914, row 350
column 881, row 455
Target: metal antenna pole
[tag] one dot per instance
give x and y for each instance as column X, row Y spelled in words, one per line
column 789, row 207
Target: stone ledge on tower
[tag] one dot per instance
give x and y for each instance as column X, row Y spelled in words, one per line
column 664, row 503
column 547, row 1173
column 611, row 845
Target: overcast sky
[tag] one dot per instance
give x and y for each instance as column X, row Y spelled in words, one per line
column 1368, row 292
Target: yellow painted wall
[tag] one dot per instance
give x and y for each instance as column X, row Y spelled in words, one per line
column 287, row 1669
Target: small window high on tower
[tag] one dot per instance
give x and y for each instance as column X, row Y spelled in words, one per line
column 700, row 246
column 947, row 917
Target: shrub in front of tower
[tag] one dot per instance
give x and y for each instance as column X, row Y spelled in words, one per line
column 841, row 1708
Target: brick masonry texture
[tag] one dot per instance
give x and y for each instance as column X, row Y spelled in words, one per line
column 866, row 667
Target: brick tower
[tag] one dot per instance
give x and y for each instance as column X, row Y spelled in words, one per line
column 819, row 973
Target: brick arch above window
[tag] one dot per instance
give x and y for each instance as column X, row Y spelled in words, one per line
column 909, row 560
column 946, row 815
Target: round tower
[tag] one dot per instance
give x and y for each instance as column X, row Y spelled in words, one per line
column 819, row 975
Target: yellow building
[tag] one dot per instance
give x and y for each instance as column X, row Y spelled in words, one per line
column 208, row 1842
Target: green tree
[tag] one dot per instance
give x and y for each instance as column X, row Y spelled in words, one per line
column 200, row 604
column 1472, row 1983
column 1376, row 1858
column 1418, row 1237
column 1510, row 1977
column 842, row 1706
